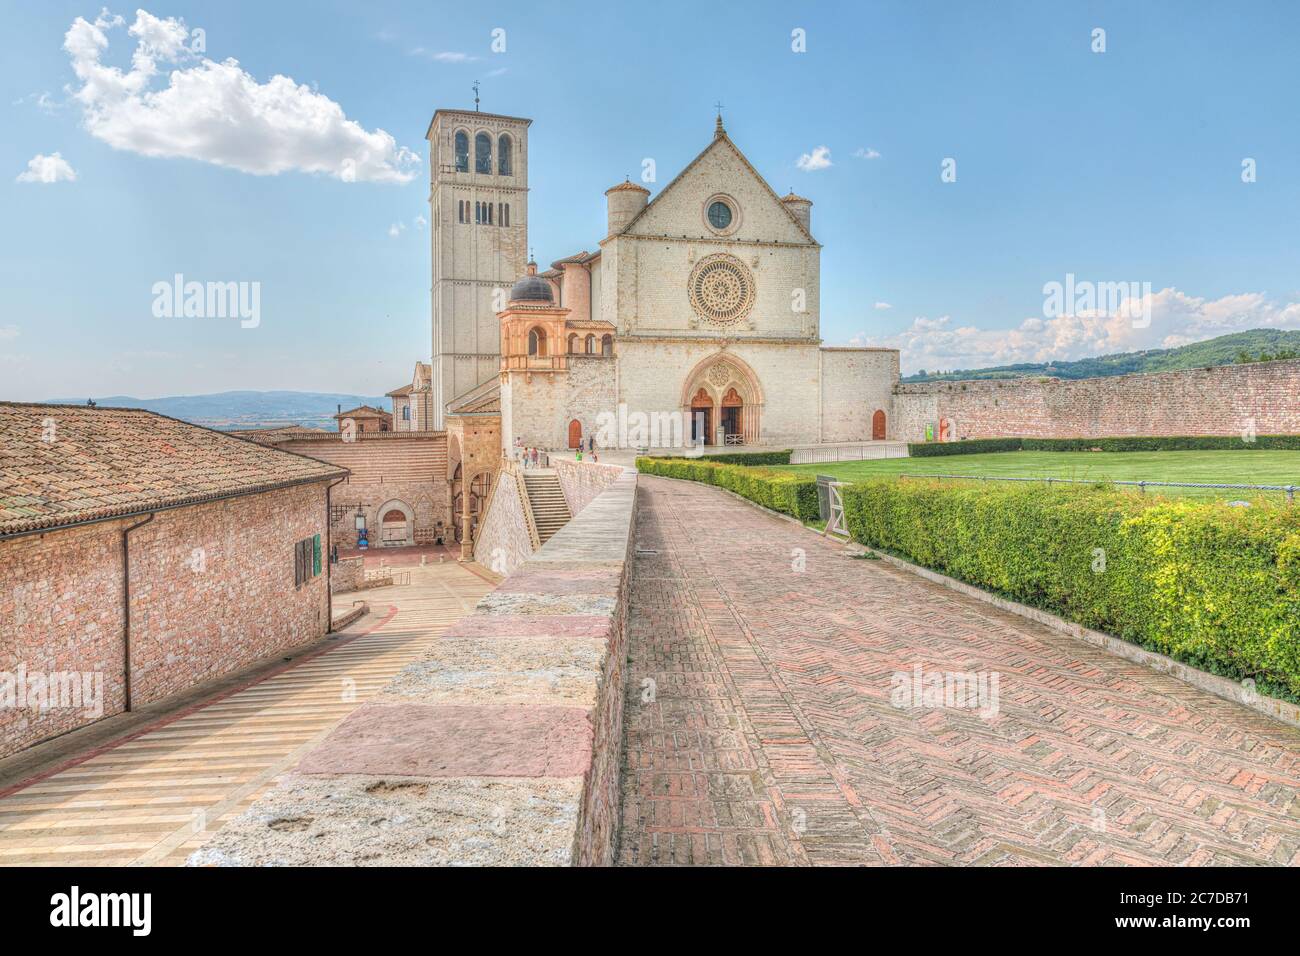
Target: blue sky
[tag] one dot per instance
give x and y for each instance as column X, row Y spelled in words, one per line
column 1124, row 165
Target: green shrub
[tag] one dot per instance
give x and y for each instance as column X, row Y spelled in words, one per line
column 791, row 494
column 973, row 446
column 751, row 458
column 978, row 446
column 1209, row 584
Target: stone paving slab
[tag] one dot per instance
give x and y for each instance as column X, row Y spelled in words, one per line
column 401, row 821
column 418, row 740
column 765, row 722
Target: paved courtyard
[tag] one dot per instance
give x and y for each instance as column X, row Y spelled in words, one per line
column 760, row 730
column 156, row 796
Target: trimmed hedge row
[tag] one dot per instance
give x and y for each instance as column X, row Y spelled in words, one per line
column 973, row 446
column 750, row 458
column 977, row 446
column 1211, row 585
column 790, row 494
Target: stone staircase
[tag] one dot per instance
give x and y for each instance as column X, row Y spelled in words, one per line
column 546, row 499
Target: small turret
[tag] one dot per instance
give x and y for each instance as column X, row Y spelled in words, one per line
column 802, row 209
column 626, row 200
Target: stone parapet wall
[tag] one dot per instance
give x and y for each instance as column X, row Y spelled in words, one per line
column 1224, row 400
column 500, row 745
column 347, row 574
column 582, row 481
column 503, row 541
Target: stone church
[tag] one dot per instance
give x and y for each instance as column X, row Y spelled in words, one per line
column 703, row 301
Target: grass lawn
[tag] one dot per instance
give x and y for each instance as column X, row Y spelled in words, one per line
column 1234, row 467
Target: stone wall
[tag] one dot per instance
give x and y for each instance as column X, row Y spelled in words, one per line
column 406, row 467
column 857, row 382
column 582, row 481
column 503, row 540
column 212, row 591
column 1225, row 400
column 347, row 574
column 500, row 745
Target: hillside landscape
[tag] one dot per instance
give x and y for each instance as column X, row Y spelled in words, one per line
column 1224, row 350
column 244, row 409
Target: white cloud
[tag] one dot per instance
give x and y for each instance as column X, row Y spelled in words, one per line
column 865, row 153
column 882, row 306
column 48, row 169
column 443, row 56
column 819, row 158
column 216, row 112
column 1176, row 319
column 43, row 102
column 420, row 222
column 396, row 229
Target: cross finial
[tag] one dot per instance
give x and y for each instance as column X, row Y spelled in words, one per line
column 718, row 127
column 476, row 96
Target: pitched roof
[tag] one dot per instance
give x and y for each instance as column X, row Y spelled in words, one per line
column 482, row 399
column 65, row 464
column 269, row 436
column 400, row 392
column 364, row 411
column 719, row 137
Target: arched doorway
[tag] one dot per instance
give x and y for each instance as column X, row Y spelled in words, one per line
column 878, row 425
column 478, row 492
column 702, row 417
column 730, row 416
column 726, row 381
column 396, row 524
column 575, row 434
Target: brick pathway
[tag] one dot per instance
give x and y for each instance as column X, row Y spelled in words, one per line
column 771, row 738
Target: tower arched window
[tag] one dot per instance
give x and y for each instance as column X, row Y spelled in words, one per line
column 483, row 153
column 573, row 343
column 591, row 345
column 536, row 341
column 462, row 152
column 503, row 155
column 607, row 345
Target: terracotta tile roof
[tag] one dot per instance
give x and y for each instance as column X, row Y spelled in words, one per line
column 269, row 436
column 626, row 185
column 363, row 411
column 400, row 392
column 483, row 399
column 64, row 464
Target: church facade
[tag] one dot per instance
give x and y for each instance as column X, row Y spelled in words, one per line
column 700, row 307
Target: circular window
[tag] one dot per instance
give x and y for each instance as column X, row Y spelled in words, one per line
column 721, row 289
column 719, row 215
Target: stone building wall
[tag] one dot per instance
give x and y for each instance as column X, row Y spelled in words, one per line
column 212, row 591
column 582, row 481
column 855, row 384
column 409, row 467
column 1224, row 400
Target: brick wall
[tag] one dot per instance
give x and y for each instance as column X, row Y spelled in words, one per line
column 1225, row 400
column 212, row 591
column 408, row 467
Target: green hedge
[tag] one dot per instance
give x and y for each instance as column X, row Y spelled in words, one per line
column 791, row 494
column 751, row 458
column 979, row 446
column 1215, row 586
column 973, row 446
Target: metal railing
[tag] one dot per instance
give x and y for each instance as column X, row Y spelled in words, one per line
column 1140, row 485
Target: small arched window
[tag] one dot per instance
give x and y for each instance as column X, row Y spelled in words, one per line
column 607, row 345
column 503, row 155
column 573, row 343
column 591, row 345
column 483, row 153
column 536, row 341
column 462, row 152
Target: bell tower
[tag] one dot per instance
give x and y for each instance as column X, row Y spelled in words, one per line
column 478, row 214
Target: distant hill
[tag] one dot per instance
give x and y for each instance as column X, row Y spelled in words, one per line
column 228, row 410
column 1221, row 351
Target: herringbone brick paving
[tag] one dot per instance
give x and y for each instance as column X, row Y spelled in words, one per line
column 760, row 730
